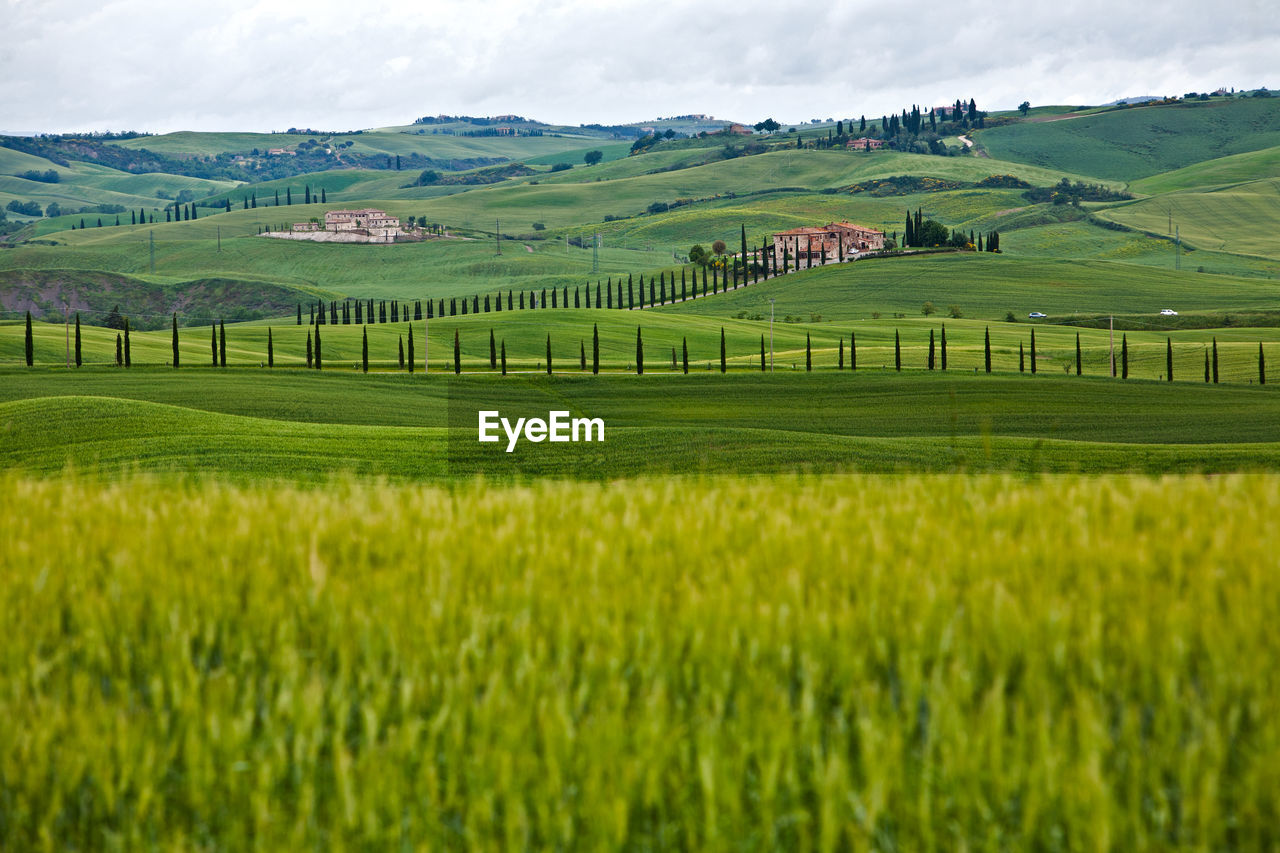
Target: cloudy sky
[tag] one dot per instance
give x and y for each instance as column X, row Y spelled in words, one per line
column 165, row 65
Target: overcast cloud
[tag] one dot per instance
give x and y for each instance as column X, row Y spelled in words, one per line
column 256, row 65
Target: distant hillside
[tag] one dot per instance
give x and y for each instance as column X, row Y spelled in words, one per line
column 1136, row 142
column 150, row 306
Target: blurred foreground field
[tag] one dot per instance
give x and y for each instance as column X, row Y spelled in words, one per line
column 890, row 663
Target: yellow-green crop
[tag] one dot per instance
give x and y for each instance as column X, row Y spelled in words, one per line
column 909, row 663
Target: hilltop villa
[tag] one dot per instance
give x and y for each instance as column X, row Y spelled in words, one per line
column 827, row 243
column 367, row 225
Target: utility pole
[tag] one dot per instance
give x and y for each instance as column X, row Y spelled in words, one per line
column 771, row 334
column 1177, row 248
column 219, row 239
column 153, row 251
column 595, row 254
column 497, row 235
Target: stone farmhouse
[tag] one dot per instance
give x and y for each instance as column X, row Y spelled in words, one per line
column 826, row 243
column 367, row 225
column 865, row 143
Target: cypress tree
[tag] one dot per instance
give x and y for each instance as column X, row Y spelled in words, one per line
column 662, row 288
column 839, row 364
column 673, row 358
column 651, row 294
column 986, row 349
column 639, row 352
column 319, row 361
column 549, row 349
column 930, row 362
column 299, row 313
column 618, row 304
column 288, row 195
column 608, row 295
column 333, row 313
column 853, row 350
column 1077, row 353
column 597, row 294
column 364, row 349
column 128, row 353
column 595, row 348
column 1022, row 363
column 119, row 351
column 1124, row 356
column 1262, row 365
column 1168, row 358
column 577, row 301
column 175, row 340
column 509, row 303
column 475, row 304
column 684, row 350
column 309, row 360
column 324, row 196
column 582, row 355
column 763, row 368
column 808, row 352
column 1206, row 367
column 493, row 352
column 360, row 311
column 944, row 346
column 724, row 365
column 277, row 198
column 1215, row 361
column 897, row 351
column 402, row 352
column 30, row 343
column 1033, row 350
column 631, row 299
column 522, row 300
column 306, row 199
column 457, row 353
column 222, row 343
column 78, row 339
column 271, row 350
column 412, row 358
column 684, row 291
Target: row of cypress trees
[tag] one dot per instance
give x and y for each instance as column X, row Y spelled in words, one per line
column 936, row 357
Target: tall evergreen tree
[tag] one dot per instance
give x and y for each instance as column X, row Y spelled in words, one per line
column 309, row 357
column 504, row 356
column 1124, row 356
column 119, row 351
column 78, row 339
column 1022, row 362
column 931, row 359
column 1215, row 360
column 595, row 348
column 724, row 364
column 1262, row 365
column 944, row 346
column 1206, row 367
column 324, row 197
column 493, row 351
column 175, row 340
column 639, row 352
column 288, row 196
column 897, row 351
column 299, row 313
column 402, row 352
column 1033, row 350
column 128, row 352
column 319, row 360
column 457, row 353
column 412, row 358
column 808, row 353
column 271, row 350
column 986, row 348
column 839, row 362
column 1168, row 358
column 30, row 343
column 1077, row 353
column 853, row 350
column 364, row 349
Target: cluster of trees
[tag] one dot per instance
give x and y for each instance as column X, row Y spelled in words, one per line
column 1066, row 192
column 48, row 176
column 926, row 233
column 363, row 311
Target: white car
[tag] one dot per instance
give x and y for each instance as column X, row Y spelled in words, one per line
column 1036, row 315
column 1168, row 312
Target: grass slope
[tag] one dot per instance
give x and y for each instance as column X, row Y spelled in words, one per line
column 1240, row 219
column 1139, row 142
column 1234, row 169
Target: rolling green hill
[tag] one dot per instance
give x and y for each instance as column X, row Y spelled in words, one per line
column 1241, row 218
column 1138, row 142
column 1233, row 169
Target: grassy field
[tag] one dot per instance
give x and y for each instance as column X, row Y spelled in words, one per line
column 1139, row 142
column 350, row 666
column 1234, row 169
column 1240, row 219
column 313, row 425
